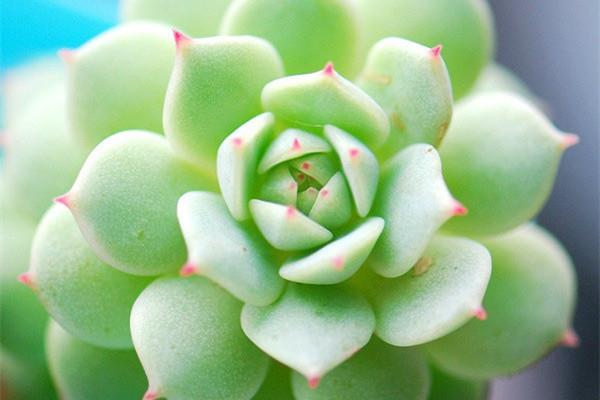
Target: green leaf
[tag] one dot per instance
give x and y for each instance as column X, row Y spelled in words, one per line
column 338, row 260
column 444, row 291
column 24, row 381
column 333, row 206
column 87, row 297
column 306, row 200
column 285, row 228
column 378, row 371
column 277, row 385
column 412, row 85
column 188, row 337
column 320, row 167
column 530, row 301
column 291, row 144
column 448, row 387
column 223, row 250
column 125, row 202
column 311, row 329
column 360, row 167
column 500, row 159
column 280, row 186
column 83, row 371
column 414, row 202
column 118, row 80
column 324, row 97
column 307, row 34
column 215, row 87
column 237, row 159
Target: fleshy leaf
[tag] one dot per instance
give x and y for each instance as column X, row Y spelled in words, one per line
column 90, row 300
column 83, row 371
column 378, row 371
column 290, row 144
column 414, row 201
column 496, row 77
column 187, row 334
column 412, row 85
column 311, row 329
column 125, row 202
column 360, row 167
column 529, row 301
column 338, row 260
column 280, row 186
column 306, row 200
column 320, row 167
column 223, row 250
column 215, row 87
column 324, row 97
column 448, row 387
column 464, row 27
column 197, row 18
column 442, row 293
column 237, row 159
column 307, row 34
column 500, row 159
column 109, row 89
column 277, row 384
column 333, row 205
column 285, row 228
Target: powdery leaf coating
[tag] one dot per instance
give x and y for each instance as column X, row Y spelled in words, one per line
column 225, row 251
column 83, row 371
column 109, row 89
column 187, row 334
column 333, row 206
column 529, row 301
column 237, row 159
column 197, row 18
column 277, row 384
column 447, row 387
column 500, row 158
column 325, row 97
column 311, row 329
column 87, row 297
column 286, row 228
column 338, row 260
column 414, row 202
column 307, row 33
column 360, row 167
column 434, row 300
column 378, row 371
column 125, row 202
column 411, row 83
column 42, row 159
column 215, row 87
column 463, row 27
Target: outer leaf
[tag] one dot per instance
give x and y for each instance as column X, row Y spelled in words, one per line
column 338, row 260
column 448, row 387
column 360, row 167
column 224, row 251
column 285, row 228
column 325, row 97
column 125, row 201
column 277, row 384
column 414, row 202
column 311, row 329
column 215, row 87
column 83, row 371
column 464, row 27
column 436, row 298
column 188, row 337
column 91, row 300
column 530, row 303
column 496, row 77
column 109, row 90
column 237, row 159
column 197, row 18
column 326, row 29
column 411, row 84
column 500, row 158
column 333, row 206
column 378, row 371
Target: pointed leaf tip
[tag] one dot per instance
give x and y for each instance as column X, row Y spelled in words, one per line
column 568, row 140
column 64, row 200
column 480, row 313
column 313, row 381
column 328, row 69
column 458, row 209
column 188, row 269
column 26, row 279
column 67, row 55
column 181, row 39
column 150, row 395
column 437, row 50
column 570, row 339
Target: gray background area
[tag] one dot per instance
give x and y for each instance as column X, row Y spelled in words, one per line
column 553, row 45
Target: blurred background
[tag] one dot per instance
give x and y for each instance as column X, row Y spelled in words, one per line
column 553, row 45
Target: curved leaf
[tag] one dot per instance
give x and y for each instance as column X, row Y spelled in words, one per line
column 291, row 144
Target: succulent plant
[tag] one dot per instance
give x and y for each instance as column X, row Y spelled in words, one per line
column 316, row 222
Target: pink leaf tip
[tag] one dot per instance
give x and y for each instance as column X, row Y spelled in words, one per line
column 328, row 70
column 354, row 152
column 64, row 200
column 568, row 140
column 570, row 339
column 458, row 209
column 480, row 313
column 237, row 141
column 67, row 55
column 150, row 395
column 290, row 212
column 26, row 279
column 305, row 165
column 188, row 269
column 296, row 144
column 314, row 381
column 324, row 193
column 437, row 50
column 181, row 39
column 338, row 263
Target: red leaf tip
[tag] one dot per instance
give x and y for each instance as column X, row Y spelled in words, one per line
column 150, row 395
column 188, row 269
column 569, row 140
column 26, row 279
column 458, row 209
column 67, row 55
column 338, row 263
column 64, row 200
column 480, row 313
column 290, row 212
column 328, row 70
column 354, row 152
column 296, row 144
column 437, row 50
column 181, row 39
column 314, row 381
column 570, row 339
